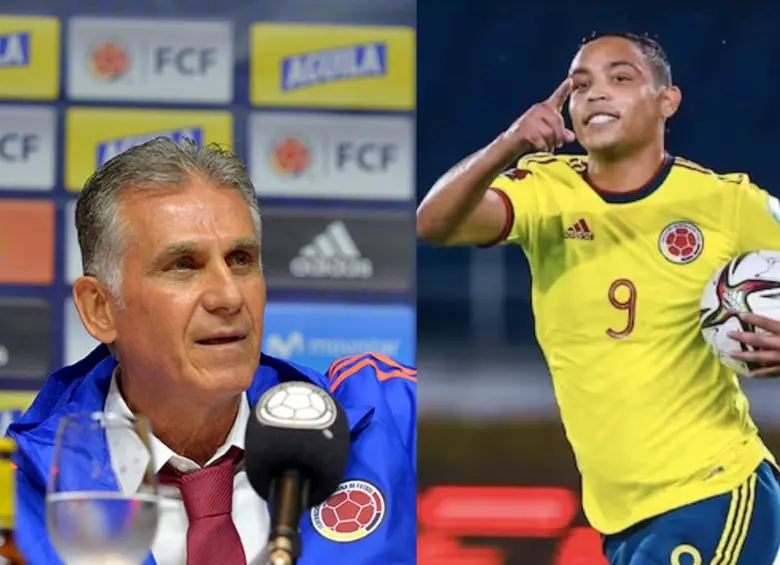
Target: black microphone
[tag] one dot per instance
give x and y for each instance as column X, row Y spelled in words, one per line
column 296, row 452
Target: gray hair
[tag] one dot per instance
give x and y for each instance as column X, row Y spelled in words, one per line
column 160, row 162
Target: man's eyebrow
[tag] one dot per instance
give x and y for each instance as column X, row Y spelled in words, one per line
column 181, row 248
column 631, row 64
column 249, row 245
column 611, row 65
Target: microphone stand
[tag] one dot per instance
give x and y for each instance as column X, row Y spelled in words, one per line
column 289, row 496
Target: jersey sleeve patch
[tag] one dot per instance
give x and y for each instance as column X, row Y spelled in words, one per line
column 354, row 511
column 383, row 367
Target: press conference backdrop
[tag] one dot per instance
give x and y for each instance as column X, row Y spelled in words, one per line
column 317, row 97
column 498, row 484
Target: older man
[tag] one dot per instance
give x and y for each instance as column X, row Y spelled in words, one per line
column 173, row 286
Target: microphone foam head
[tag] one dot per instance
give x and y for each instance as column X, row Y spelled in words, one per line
column 297, row 425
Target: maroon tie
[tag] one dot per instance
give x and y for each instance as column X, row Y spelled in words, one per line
column 208, row 498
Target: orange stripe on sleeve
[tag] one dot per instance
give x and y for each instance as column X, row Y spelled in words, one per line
column 339, row 364
column 380, row 374
column 393, row 363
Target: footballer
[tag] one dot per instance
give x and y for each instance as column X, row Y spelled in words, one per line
column 621, row 242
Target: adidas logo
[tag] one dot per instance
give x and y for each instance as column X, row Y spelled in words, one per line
column 332, row 255
column 580, row 230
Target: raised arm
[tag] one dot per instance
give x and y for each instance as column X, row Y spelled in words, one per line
column 460, row 209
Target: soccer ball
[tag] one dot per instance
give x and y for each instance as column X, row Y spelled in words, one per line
column 748, row 283
column 297, row 405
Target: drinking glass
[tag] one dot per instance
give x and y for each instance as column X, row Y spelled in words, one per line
column 89, row 519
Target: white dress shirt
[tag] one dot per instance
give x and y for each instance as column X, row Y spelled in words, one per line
column 129, row 459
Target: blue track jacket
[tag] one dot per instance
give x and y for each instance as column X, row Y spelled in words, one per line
column 379, row 397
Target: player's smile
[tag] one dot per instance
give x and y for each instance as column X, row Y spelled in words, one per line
column 600, row 118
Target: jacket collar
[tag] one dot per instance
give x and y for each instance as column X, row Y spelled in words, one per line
column 83, row 387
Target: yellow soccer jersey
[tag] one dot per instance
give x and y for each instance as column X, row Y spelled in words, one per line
column 655, row 421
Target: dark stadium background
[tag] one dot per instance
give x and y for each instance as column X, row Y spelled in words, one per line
column 487, row 416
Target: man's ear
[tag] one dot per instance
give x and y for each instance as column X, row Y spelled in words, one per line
column 671, row 98
column 95, row 306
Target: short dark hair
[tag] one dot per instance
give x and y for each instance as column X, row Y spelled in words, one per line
column 651, row 49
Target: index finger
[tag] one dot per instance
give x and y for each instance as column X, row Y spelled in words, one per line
column 768, row 324
column 558, row 98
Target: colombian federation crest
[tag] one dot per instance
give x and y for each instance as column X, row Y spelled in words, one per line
column 108, row 61
column 354, row 511
column 681, row 243
column 290, row 157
